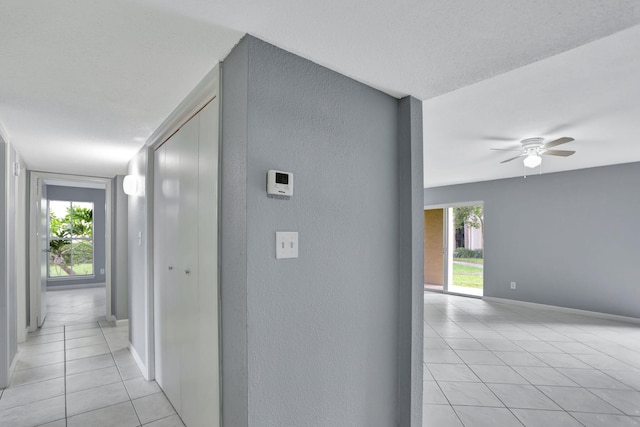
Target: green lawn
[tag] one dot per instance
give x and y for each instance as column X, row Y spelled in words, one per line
column 470, row 260
column 467, row 275
column 79, row 269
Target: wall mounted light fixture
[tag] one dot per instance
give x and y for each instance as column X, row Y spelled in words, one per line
column 133, row 185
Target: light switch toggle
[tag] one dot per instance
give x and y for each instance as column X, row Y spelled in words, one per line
column 286, row 244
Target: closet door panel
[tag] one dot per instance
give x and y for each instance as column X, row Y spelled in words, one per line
column 188, row 236
column 186, row 303
column 173, row 306
column 208, row 389
column 159, row 263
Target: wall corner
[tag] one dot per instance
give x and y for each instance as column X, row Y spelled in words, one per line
column 410, row 252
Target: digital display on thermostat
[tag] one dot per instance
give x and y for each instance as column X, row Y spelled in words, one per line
column 282, row 178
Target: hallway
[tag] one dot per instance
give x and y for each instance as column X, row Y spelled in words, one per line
column 75, row 306
column 78, row 371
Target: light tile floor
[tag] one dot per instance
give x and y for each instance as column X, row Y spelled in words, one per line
column 453, row 289
column 493, row 364
column 77, row 371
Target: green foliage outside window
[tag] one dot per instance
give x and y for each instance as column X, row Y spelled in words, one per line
column 473, row 216
column 71, row 242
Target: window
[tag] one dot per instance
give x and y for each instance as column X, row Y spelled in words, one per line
column 70, row 239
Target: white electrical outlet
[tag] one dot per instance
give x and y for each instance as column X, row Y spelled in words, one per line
column 513, row 285
column 102, row 271
column 286, row 244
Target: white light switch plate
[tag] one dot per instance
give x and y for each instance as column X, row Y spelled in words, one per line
column 286, row 244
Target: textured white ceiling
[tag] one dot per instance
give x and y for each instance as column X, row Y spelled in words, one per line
column 84, row 83
column 591, row 93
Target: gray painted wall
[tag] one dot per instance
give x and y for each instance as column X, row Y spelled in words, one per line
column 233, row 237
column 119, row 251
column 568, row 239
column 411, row 257
column 314, row 340
column 6, row 355
column 97, row 197
column 27, row 296
column 9, row 200
column 9, row 259
column 138, row 259
column 21, row 248
column 11, row 254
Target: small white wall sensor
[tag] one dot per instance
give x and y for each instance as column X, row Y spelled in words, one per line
column 279, row 183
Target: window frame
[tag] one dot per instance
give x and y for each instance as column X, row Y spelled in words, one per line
column 71, row 239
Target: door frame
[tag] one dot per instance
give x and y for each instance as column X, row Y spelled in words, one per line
column 447, row 238
column 35, row 297
column 445, row 245
column 205, row 92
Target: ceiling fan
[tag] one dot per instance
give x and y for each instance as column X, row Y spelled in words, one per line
column 533, row 148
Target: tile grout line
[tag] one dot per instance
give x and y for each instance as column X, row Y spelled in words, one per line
column 64, row 335
column 555, row 369
column 445, row 396
column 623, row 413
column 561, row 407
column 45, row 337
column 485, row 384
column 455, row 351
column 64, row 370
column 120, row 374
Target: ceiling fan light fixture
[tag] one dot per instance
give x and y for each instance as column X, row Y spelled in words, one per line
column 532, row 160
column 533, row 149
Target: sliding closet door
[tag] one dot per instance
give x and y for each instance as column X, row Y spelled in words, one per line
column 172, row 316
column 188, row 255
column 186, row 269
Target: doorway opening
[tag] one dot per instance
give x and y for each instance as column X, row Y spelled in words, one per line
column 454, row 249
column 71, row 259
column 70, row 249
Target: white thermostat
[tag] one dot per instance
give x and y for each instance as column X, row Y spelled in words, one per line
column 279, row 183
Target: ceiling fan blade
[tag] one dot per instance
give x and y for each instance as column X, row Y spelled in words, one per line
column 513, row 158
column 557, row 142
column 563, row 153
column 506, row 149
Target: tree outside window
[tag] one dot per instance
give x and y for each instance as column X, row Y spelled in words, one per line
column 70, row 238
column 471, row 216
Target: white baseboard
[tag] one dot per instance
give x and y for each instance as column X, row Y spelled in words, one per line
column 53, row 288
column 566, row 310
column 22, row 338
column 139, row 362
column 12, row 367
column 121, row 322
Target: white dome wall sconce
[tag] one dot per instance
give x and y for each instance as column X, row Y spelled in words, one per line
column 133, row 185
